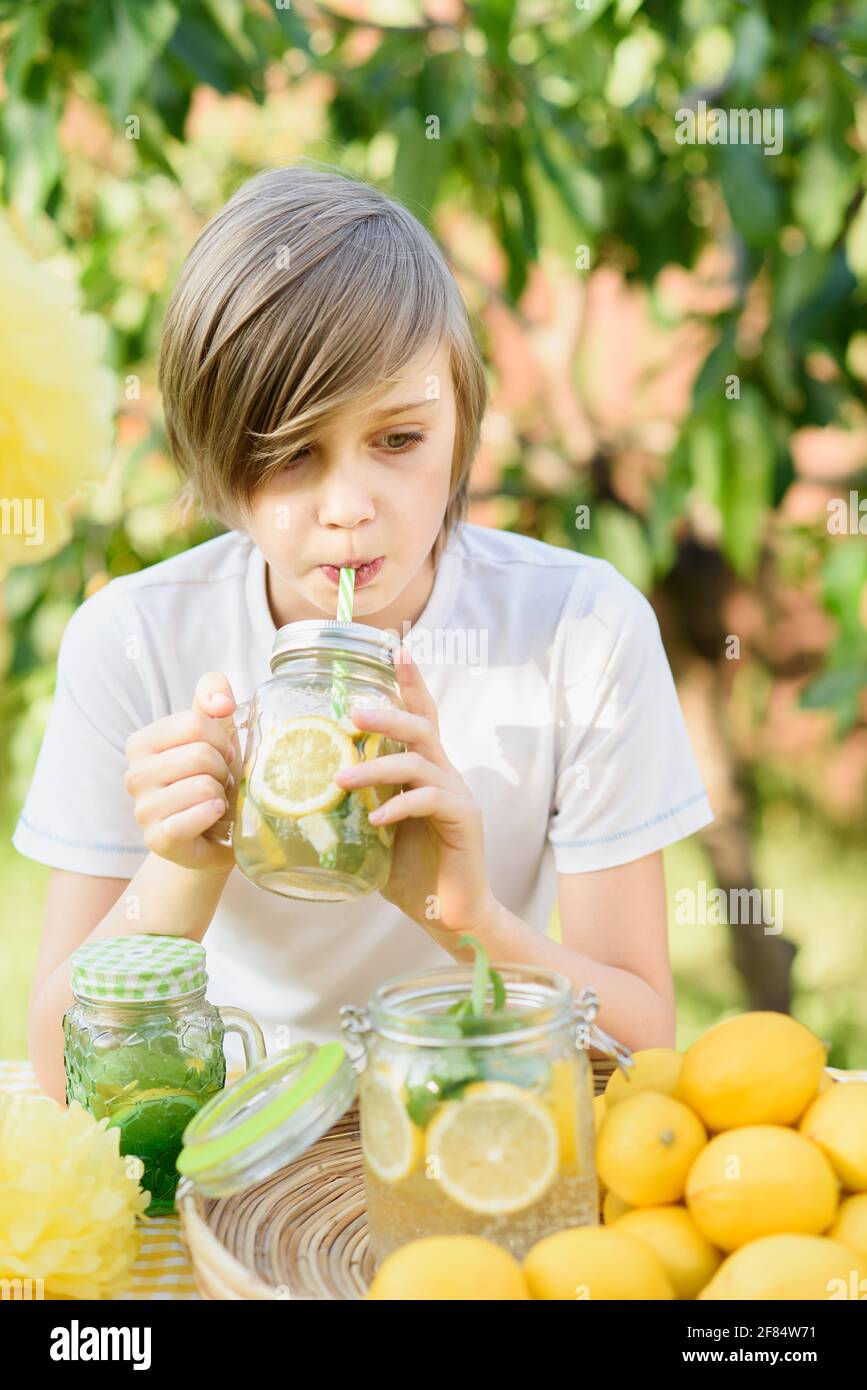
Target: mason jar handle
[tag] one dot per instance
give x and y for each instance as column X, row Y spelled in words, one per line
column 355, row 1025
column 586, row 1008
column 244, row 1024
column 238, row 722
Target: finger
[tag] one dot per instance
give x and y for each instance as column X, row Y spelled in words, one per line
column 175, row 730
column 415, row 730
column 396, row 769
column 183, row 827
column 445, row 806
column 214, row 695
column 160, row 803
column 414, row 692
column 185, row 760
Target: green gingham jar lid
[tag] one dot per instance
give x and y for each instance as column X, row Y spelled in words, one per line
column 128, row 969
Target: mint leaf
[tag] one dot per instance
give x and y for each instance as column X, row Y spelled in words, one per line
column 499, row 990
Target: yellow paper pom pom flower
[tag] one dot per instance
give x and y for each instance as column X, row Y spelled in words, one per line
column 68, row 1199
column 56, row 404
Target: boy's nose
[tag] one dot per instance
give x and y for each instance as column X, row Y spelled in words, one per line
column 343, row 499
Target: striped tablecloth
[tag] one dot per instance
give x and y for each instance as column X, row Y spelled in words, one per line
column 163, row 1269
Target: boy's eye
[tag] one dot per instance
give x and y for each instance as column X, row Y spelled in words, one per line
column 406, row 439
column 396, row 442
column 296, row 458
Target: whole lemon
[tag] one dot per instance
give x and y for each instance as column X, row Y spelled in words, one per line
column 449, row 1267
column 646, row 1148
column 759, row 1181
column 850, row 1226
column 687, row 1258
column 790, row 1267
column 597, row 1263
column 837, row 1122
column 654, row 1069
column 756, row 1069
column 613, row 1207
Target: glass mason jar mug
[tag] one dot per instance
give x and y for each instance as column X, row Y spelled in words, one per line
column 143, row 1047
column 477, row 1126
column 293, row 830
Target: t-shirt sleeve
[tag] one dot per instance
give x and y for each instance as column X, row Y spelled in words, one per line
column 77, row 814
column 626, row 782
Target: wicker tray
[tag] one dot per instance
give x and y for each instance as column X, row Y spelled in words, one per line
column 301, row 1234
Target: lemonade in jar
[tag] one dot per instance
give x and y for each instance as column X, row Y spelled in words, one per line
column 294, row 831
column 476, row 1103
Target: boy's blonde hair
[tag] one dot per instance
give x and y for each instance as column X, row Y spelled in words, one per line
column 305, row 296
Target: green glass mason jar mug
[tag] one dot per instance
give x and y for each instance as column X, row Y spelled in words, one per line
column 293, row 830
column 143, row 1047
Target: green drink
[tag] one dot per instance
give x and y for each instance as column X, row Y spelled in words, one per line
column 143, row 1047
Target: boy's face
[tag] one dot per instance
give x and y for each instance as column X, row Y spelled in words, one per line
column 374, row 488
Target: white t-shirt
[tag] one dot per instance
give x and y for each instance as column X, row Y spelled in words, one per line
column 555, row 702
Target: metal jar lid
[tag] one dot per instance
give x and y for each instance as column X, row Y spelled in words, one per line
column 353, row 639
column 138, row 969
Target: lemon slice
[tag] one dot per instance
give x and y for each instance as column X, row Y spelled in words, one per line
column 318, row 832
column 563, row 1099
column 253, row 824
column 496, row 1150
column 373, row 797
column 295, row 766
column 391, row 1143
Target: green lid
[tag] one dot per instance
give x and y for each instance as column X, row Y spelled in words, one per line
column 267, row 1117
column 126, row 969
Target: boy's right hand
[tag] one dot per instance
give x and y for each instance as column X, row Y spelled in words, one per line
column 182, row 775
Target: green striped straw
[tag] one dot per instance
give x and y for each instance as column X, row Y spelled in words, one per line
column 345, row 596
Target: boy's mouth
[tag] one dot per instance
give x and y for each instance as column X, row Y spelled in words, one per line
column 365, row 571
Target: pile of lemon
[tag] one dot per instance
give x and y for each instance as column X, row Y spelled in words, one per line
column 735, row 1170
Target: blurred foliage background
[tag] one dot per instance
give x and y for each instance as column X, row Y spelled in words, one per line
column 674, row 334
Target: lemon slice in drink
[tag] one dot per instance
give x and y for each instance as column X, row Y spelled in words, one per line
column 350, row 729
column 318, row 832
column 153, row 1114
column 563, row 1099
column 391, row 1143
column 296, row 763
column 496, row 1150
column 372, row 797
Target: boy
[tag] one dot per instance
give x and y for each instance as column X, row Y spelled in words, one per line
column 323, row 395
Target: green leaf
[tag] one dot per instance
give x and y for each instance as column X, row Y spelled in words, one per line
column 28, row 41
column 228, row 17
column 199, row 45
column 834, row 687
column 619, row 537
column 420, row 163
column 33, row 160
column 753, row 41
column 124, row 40
column 499, row 1001
column 494, row 18
column 747, row 480
column 719, row 364
column 752, row 195
column 582, row 193
column 827, row 179
column 856, row 243
column 293, row 28
column 480, row 972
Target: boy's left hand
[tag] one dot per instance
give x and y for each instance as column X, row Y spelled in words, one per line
column 438, row 875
